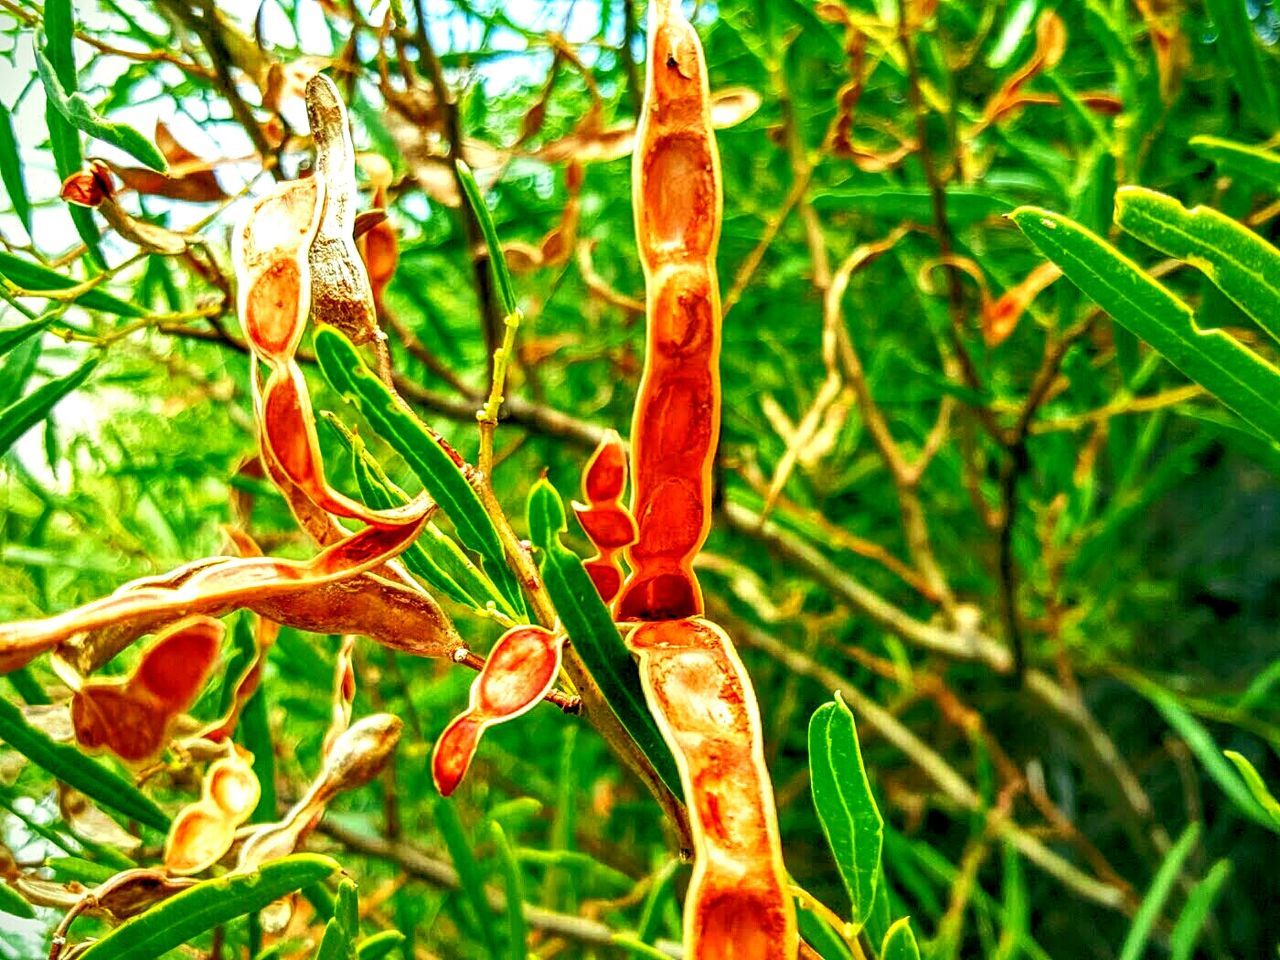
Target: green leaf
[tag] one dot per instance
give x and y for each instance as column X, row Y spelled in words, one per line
column 1257, row 788
column 1238, row 261
column 15, row 181
column 1241, row 56
column 64, row 762
column 517, row 934
column 900, row 942
column 20, row 416
column 1240, row 159
column 913, row 203
column 848, row 813
column 441, row 476
column 591, row 629
column 1135, row 942
column 434, row 556
column 339, row 940
column 12, row 336
column 34, row 276
column 11, row 902
column 199, row 908
column 818, row 933
column 17, row 369
column 1199, row 740
column 469, row 876
column 64, row 139
column 1237, row 376
column 1182, row 941
column 77, row 111
column 80, row 870
column 379, row 945
column 497, row 259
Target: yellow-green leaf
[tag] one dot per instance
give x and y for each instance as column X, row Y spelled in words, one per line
column 1240, row 158
column 900, row 942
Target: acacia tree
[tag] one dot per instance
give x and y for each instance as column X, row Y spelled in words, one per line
column 946, row 507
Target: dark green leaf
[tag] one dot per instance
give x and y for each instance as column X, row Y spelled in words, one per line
column 379, row 945
column 1237, row 376
column 497, row 260
column 11, row 169
column 1241, row 56
column 28, row 275
column 1144, row 921
column 591, row 629
column 916, row 203
column 847, row 810
column 66, row 763
column 173, row 922
column 11, row 902
column 469, row 876
column 20, row 416
column 12, row 336
column 900, row 942
column 516, row 931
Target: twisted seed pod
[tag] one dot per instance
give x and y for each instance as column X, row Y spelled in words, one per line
column 606, row 521
column 701, row 696
column 677, row 197
column 521, row 669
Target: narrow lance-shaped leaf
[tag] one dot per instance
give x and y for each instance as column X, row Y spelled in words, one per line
column 1182, row 941
column 1144, row 921
column 497, row 262
column 1238, row 261
column 20, row 416
column 591, row 629
column 13, row 336
column 469, row 876
column 440, row 474
column 77, row 111
column 15, row 181
column 1257, row 788
column 848, row 813
column 11, row 902
column 205, row 905
column 1237, row 376
column 73, row 768
column 34, row 276
column 1240, row 158
column 64, row 139
column 516, row 931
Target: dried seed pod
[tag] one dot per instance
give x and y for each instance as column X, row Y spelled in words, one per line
column 521, row 669
column 131, row 717
column 218, row 585
column 677, row 196
column 701, row 696
column 203, row 832
column 340, row 291
column 606, row 521
column 355, row 758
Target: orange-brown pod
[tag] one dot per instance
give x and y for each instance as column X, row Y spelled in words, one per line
column 521, row 670
column 737, row 905
column 606, row 521
column 677, row 196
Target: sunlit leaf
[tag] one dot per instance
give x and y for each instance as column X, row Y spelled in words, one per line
column 900, row 942
column 846, row 808
column 1240, row 158
column 1200, row 903
column 205, row 905
column 440, row 473
column 1257, row 787
column 1238, row 261
column 11, row 169
column 1237, row 376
